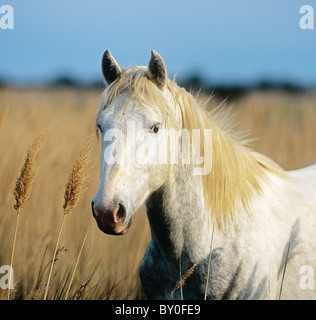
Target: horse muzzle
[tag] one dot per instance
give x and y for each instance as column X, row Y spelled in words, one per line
column 110, row 219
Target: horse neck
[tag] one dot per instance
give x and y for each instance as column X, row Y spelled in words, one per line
column 180, row 212
column 177, row 218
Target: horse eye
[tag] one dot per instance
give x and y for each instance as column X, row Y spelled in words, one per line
column 154, row 129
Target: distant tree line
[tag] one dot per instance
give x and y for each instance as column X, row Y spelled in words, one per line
column 195, row 84
column 192, row 83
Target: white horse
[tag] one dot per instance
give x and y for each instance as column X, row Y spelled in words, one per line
column 247, row 227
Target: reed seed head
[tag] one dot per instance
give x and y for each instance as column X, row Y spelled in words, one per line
column 77, row 177
column 183, row 279
column 22, row 189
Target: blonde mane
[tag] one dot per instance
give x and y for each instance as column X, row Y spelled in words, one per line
column 237, row 172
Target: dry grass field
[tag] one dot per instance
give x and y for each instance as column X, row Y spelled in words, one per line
column 284, row 126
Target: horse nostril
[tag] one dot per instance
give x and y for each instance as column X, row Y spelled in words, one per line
column 121, row 213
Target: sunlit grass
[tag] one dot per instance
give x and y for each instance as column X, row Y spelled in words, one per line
column 284, row 126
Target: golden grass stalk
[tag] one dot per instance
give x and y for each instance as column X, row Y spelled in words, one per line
column 284, row 270
column 77, row 262
column 78, row 175
column 22, row 189
column 73, row 190
column 209, row 262
column 182, row 280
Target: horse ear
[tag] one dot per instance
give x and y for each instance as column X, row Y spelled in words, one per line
column 157, row 71
column 110, row 69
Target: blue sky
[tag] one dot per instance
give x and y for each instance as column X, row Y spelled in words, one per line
column 225, row 41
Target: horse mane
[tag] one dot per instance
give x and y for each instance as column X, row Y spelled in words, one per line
column 237, row 172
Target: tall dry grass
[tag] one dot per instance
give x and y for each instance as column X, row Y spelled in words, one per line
column 73, row 191
column 22, row 190
column 108, row 266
